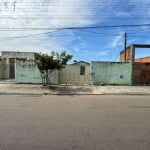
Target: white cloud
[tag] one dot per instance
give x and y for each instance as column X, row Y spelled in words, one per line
column 121, row 13
column 57, row 14
column 117, row 41
column 104, row 53
column 41, row 14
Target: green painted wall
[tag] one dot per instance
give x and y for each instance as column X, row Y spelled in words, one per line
column 27, row 72
column 111, row 73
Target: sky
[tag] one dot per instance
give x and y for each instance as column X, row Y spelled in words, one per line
column 90, row 30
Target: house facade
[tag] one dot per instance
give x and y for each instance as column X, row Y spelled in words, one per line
column 8, row 61
column 21, row 66
column 77, row 73
column 73, row 74
column 143, row 60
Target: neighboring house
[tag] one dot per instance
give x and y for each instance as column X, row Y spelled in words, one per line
column 143, row 60
column 129, row 54
column 140, row 66
column 141, row 73
column 77, row 74
column 8, row 61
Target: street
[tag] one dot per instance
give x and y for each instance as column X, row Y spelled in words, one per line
column 36, row 122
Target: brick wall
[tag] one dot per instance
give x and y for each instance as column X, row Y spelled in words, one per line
column 128, row 55
column 144, row 59
column 141, row 73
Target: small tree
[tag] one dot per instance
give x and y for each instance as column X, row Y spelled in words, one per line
column 50, row 62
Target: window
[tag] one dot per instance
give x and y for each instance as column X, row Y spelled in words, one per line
column 82, row 70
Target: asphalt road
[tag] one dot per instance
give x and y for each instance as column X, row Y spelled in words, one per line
column 74, row 122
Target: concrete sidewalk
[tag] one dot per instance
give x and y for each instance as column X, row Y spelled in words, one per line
column 32, row 89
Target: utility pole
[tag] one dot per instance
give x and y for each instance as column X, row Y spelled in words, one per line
column 125, row 46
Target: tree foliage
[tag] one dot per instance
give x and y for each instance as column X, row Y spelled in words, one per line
column 53, row 61
column 50, row 62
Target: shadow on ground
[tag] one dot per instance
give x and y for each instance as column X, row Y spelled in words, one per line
column 70, row 90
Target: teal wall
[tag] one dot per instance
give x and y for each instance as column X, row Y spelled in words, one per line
column 27, row 72
column 111, row 73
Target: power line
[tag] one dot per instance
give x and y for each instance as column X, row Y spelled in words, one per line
column 108, row 34
column 41, row 16
column 78, row 27
column 70, row 3
column 82, row 29
column 34, row 6
column 35, row 35
column 53, row 5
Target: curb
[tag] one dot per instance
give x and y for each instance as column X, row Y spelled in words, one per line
column 78, row 94
column 73, row 94
column 98, row 94
column 130, row 94
column 17, row 93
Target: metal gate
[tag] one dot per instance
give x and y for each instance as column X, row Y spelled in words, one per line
column 12, row 68
column 4, row 69
column 7, row 71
